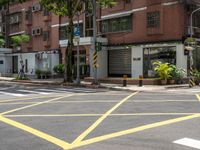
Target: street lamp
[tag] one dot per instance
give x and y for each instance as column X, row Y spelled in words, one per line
column 190, row 52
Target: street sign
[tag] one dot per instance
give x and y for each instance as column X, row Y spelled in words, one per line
column 77, row 31
column 98, row 46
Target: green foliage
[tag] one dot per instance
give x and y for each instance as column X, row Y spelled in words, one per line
column 22, row 78
column 17, row 40
column 38, row 72
column 2, row 42
column 196, row 74
column 162, row 69
column 190, row 41
column 107, row 3
column 59, row 69
column 176, row 73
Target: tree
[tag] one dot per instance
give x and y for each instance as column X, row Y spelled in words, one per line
column 2, row 41
column 70, row 8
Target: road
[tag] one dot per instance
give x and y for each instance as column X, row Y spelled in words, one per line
column 56, row 118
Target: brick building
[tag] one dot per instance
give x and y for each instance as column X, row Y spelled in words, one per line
column 134, row 34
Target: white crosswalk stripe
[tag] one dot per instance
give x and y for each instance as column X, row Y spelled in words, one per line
column 34, row 92
column 51, row 90
column 12, row 94
column 188, row 142
column 77, row 90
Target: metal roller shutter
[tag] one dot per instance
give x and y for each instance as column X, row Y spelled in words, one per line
column 119, row 62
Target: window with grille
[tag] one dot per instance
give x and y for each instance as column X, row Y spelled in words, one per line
column 153, row 19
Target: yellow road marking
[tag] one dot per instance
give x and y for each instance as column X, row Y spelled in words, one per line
column 160, row 101
column 95, row 124
column 39, row 103
column 133, row 130
column 28, row 98
column 96, row 115
column 198, row 97
column 35, row 132
column 99, row 101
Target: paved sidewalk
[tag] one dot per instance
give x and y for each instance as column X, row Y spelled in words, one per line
column 59, row 81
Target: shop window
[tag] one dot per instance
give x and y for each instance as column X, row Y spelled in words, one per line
column 153, row 19
column 163, row 54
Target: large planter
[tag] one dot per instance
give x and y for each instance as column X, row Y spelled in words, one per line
column 163, row 82
column 171, row 81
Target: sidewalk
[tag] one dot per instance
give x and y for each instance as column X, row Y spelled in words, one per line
column 59, row 82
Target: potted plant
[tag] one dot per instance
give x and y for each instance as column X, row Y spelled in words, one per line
column 163, row 70
column 38, row 72
column 59, row 69
column 173, row 74
column 196, row 76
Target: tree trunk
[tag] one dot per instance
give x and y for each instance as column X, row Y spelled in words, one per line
column 68, row 53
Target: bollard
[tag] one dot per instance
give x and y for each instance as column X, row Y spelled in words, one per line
column 124, row 80
column 140, row 80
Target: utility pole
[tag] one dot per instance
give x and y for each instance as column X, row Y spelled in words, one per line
column 94, row 43
column 191, row 82
column 78, row 52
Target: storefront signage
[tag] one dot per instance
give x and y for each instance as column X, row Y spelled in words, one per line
column 137, row 59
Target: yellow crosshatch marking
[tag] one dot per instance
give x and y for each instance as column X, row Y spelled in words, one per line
column 79, row 141
column 35, row 132
column 93, row 126
column 198, row 97
column 97, row 115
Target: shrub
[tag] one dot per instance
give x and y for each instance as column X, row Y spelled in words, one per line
column 162, row 69
column 60, row 69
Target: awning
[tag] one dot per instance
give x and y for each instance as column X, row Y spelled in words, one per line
column 121, row 14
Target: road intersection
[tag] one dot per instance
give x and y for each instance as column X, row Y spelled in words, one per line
column 98, row 119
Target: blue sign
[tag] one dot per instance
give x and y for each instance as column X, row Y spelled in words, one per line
column 77, row 31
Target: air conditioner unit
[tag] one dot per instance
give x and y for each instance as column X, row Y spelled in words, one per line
column 36, row 7
column 36, row 31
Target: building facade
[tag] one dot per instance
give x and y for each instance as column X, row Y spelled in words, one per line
column 134, row 34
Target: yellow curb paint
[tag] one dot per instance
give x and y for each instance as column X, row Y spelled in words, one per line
column 35, row 132
column 95, row 124
column 96, row 115
column 131, row 131
column 198, row 97
column 39, row 103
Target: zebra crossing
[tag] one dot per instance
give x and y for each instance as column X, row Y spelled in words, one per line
column 43, row 91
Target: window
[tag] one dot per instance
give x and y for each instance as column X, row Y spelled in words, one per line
column 127, row 1
column 117, row 24
column 163, row 54
column 15, row 18
column 28, row 15
column 46, row 12
column 45, row 35
column 153, row 19
column 1, row 62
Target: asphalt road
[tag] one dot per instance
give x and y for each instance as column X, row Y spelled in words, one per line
column 47, row 118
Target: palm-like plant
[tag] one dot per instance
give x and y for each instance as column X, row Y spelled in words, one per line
column 163, row 70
